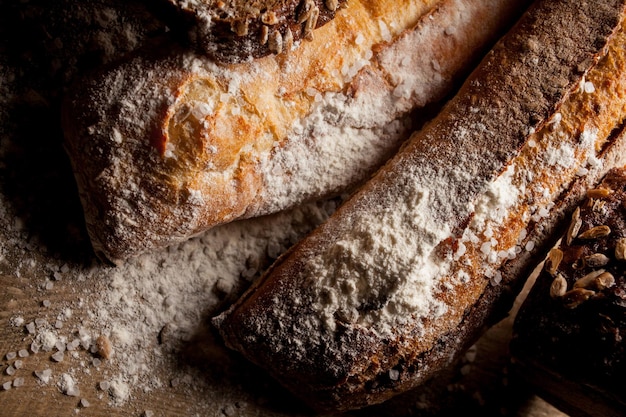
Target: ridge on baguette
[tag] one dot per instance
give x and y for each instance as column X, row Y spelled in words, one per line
column 407, row 273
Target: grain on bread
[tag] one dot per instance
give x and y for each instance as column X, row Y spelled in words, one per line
column 235, row 31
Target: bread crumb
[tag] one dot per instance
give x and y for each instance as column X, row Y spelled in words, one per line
column 104, row 347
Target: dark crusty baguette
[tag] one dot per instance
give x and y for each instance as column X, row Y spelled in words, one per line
column 409, row 271
column 236, row 30
column 166, row 144
column 568, row 335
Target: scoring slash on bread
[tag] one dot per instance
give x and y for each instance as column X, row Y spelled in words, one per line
column 409, row 271
column 167, row 144
column 568, row 336
column 236, row 31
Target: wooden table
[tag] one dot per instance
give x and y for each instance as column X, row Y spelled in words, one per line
column 203, row 378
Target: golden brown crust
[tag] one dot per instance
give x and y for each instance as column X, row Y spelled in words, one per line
column 411, row 268
column 167, row 144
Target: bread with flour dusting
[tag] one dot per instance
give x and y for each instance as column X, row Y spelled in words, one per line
column 413, row 267
column 167, row 143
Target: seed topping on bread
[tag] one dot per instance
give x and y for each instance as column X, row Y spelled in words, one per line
column 236, row 30
column 592, row 253
column 579, row 311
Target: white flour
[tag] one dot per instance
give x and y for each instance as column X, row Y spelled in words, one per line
column 384, row 265
column 316, row 131
column 150, row 307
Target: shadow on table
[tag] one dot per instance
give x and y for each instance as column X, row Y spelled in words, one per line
column 44, row 47
column 485, row 390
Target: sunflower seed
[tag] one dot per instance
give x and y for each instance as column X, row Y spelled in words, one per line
column 288, row 40
column 558, row 288
column 598, row 193
column 275, row 42
column 264, row 36
column 574, row 226
column 576, row 297
column 555, row 256
column 331, row 4
column 588, row 280
column 304, row 11
column 595, row 232
column 605, row 280
column 596, row 260
column 310, row 24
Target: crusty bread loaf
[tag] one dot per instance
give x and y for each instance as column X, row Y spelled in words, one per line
column 235, row 30
column 568, row 334
column 168, row 144
column 409, row 270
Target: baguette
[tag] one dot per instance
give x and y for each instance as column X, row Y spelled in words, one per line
column 567, row 336
column 410, row 270
column 167, row 144
column 236, row 31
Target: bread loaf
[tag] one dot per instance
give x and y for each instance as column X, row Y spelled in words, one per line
column 413, row 267
column 167, row 144
column 236, row 31
column 568, row 334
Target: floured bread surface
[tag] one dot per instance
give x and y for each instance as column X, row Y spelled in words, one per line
column 168, row 143
column 411, row 268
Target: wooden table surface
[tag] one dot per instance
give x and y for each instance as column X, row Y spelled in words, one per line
column 52, row 287
column 211, row 380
